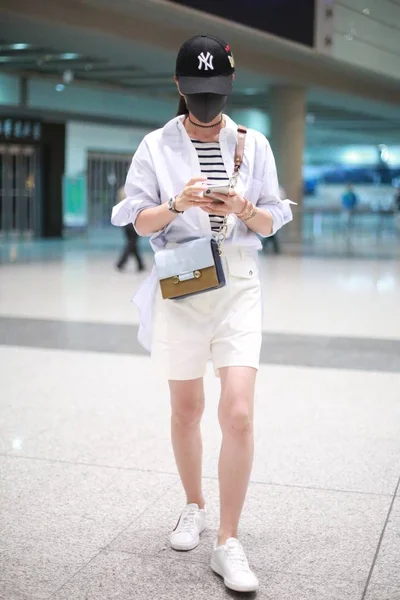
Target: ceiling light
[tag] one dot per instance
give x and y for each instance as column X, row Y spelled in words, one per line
column 366, row 11
column 349, row 37
column 352, row 157
column 19, row 46
column 60, row 87
column 69, row 56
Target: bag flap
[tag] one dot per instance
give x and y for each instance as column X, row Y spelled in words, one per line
column 191, row 256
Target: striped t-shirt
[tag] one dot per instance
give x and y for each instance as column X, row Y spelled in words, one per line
column 212, row 167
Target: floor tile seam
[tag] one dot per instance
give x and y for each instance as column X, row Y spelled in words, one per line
column 323, row 489
column 206, row 477
column 83, row 464
column 103, row 548
column 140, row 513
column 380, row 541
column 83, row 566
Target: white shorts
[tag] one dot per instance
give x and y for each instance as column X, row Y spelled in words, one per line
column 223, row 325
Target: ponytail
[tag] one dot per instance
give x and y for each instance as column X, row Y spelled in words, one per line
column 182, row 108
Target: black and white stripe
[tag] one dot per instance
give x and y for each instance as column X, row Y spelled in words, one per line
column 212, row 167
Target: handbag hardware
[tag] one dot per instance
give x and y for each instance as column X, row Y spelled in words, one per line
column 185, row 276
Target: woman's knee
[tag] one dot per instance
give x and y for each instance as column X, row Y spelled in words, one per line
column 235, row 417
column 187, row 414
column 187, row 408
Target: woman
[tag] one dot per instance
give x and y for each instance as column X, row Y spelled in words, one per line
column 165, row 200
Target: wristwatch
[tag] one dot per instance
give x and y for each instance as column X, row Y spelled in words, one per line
column 171, row 207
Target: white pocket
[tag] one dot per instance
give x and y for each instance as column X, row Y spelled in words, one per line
column 242, row 268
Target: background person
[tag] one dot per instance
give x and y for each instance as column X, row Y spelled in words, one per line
column 131, row 247
column 349, row 205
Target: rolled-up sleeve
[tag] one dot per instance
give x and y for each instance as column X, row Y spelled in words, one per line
column 141, row 188
column 270, row 194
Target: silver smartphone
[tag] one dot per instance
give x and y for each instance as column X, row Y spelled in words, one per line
column 219, row 189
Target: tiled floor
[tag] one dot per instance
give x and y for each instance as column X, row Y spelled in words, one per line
column 89, row 490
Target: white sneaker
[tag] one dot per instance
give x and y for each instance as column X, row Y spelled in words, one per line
column 231, row 564
column 192, row 522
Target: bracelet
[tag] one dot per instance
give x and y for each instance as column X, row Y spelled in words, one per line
column 244, row 211
column 251, row 215
column 249, row 212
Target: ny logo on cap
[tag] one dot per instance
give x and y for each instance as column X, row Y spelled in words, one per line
column 206, row 61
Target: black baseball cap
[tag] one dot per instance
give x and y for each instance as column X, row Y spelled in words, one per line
column 205, row 64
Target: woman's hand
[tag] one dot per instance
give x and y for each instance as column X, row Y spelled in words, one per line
column 192, row 195
column 233, row 203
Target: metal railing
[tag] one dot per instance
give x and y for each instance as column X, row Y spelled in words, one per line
column 361, row 224
column 20, row 197
column 106, row 173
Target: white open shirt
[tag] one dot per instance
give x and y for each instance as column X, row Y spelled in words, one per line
column 161, row 167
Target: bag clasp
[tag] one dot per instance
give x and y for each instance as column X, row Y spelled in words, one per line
column 186, row 276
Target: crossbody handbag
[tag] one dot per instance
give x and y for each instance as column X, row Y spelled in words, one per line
column 195, row 266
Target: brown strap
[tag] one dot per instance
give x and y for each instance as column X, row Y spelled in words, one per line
column 239, row 152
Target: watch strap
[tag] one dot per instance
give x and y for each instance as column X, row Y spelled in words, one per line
column 171, row 207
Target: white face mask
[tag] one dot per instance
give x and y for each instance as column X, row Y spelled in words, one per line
column 205, row 107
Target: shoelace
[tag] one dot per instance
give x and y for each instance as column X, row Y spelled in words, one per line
column 187, row 522
column 237, row 557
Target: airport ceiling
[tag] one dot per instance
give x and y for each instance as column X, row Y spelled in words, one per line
column 69, row 56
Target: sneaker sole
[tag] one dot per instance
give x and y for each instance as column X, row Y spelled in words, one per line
column 182, row 548
column 229, row 584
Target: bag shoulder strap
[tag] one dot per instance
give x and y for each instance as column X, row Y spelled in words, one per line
column 239, row 151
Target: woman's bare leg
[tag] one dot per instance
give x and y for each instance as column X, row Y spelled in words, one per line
column 236, row 410
column 187, row 406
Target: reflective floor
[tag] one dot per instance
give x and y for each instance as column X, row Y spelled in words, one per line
column 89, row 489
